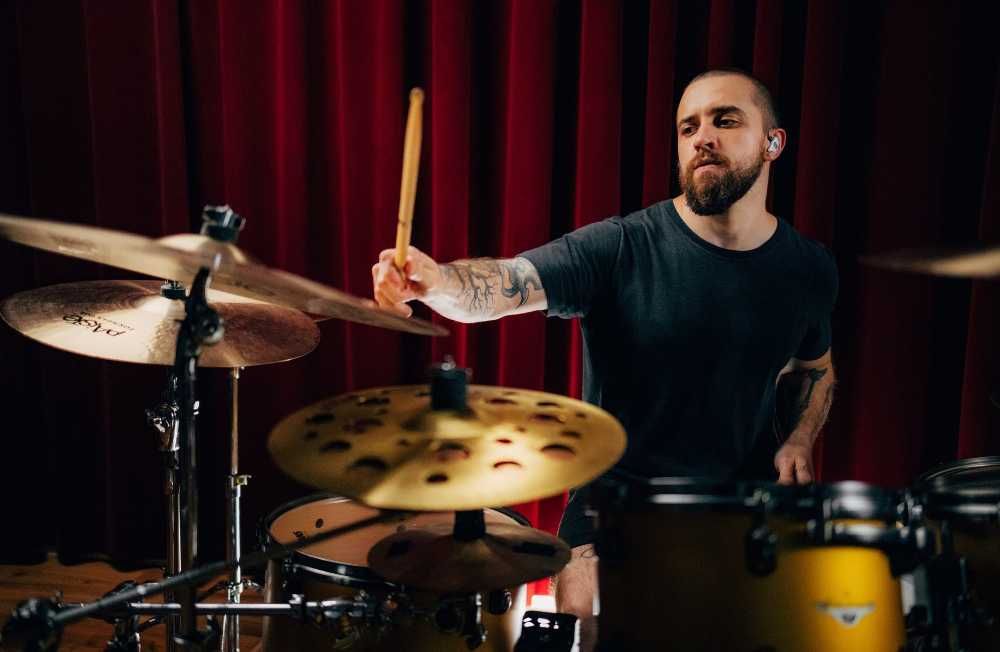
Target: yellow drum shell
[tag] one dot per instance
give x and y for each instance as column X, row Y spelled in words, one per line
column 285, row 634
column 828, row 598
column 683, row 584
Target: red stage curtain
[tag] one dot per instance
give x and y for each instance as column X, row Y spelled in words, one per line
column 541, row 116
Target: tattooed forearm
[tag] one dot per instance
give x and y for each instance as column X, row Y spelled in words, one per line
column 809, row 380
column 811, row 408
column 487, row 288
column 521, row 279
column 477, row 281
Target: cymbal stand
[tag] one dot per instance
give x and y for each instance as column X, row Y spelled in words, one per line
column 201, row 326
column 234, row 486
column 164, row 418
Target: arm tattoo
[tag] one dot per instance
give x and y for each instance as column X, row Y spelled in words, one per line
column 812, row 376
column 477, row 282
column 522, row 278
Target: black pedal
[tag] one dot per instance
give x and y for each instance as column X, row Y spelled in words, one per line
column 542, row 631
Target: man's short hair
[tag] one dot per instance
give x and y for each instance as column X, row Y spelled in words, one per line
column 762, row 97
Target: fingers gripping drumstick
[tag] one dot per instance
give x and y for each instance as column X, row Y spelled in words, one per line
column 411, row 164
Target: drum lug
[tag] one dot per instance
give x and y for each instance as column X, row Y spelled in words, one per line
column 499, row 602
column 761, row 548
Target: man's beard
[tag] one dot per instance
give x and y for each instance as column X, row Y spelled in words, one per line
column 715, row 194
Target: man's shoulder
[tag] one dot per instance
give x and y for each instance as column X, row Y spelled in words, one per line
column 816, row 257
column 644, row 218
column 809, row 248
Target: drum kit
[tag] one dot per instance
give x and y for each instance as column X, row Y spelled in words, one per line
column 410, row 549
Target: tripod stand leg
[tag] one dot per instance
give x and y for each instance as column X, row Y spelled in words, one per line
column 234, row 487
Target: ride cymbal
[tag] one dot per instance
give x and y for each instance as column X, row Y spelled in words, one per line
column 130, row 321
column 979, row 262
column 146, row 256
column 386, row 448
column 433, row 559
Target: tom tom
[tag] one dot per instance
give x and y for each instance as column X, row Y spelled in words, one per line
column 338, row 568
column 960, row 502
column 691, row 564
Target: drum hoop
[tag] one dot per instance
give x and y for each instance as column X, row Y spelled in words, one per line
column 303, row 560
column 685, row 493
column 952, row 504
column 835, row 501
column 944, row 472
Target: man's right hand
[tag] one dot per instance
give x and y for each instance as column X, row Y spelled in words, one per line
column 393, row 287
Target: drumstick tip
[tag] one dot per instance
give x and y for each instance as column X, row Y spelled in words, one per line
column 417, row 95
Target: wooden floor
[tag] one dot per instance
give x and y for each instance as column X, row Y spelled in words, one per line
column 85, row 583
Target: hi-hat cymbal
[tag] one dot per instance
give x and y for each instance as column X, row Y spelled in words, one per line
column 431, row 558
column 146, row 256
column 386, row 448
column 980, row 262
column 130, row 321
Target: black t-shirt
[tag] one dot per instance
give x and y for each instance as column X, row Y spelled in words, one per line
column 683, row 340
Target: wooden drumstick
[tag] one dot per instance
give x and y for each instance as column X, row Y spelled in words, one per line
column 411, row 165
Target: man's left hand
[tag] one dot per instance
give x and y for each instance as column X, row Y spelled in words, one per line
column 794, row 463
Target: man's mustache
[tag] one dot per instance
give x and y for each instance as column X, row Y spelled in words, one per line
column 709, row 160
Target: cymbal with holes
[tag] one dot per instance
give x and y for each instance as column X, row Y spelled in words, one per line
column 130, row 321
column 180, row 258
column 432, row 559
column 386, row 448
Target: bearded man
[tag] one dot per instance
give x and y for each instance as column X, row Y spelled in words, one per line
column 690, row 311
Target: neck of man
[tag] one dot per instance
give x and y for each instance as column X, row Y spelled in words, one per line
column 744, row 226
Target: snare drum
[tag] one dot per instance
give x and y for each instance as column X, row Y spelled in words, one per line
column 688, row 564
column 961, row 502
column 338, row 568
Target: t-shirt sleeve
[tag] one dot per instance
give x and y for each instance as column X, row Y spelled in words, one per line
column 819, row 337
column 577, row 268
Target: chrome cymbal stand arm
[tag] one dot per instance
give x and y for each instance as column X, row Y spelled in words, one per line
column 164, row 418
column 201, row 326
column 234, row 487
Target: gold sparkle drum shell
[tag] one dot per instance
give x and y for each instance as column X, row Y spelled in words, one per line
column 338, row 568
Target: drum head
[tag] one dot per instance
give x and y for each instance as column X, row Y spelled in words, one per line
column 973, row 476
column 348, row 554
column 969, row 487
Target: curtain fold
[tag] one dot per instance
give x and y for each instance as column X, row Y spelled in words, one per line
column 541, row 116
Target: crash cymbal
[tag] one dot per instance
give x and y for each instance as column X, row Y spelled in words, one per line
column 203, row 244
column 433, row 559
column 146, row 256
column 386, row 448
column 130, row 321
column 980, row 262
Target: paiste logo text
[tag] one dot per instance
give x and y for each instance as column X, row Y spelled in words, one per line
column 93, row 325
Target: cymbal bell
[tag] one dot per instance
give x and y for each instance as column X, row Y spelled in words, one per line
column 386, row 448
column 130, row 321
column 146, row 256
column 432, row 559
column 978, row 262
